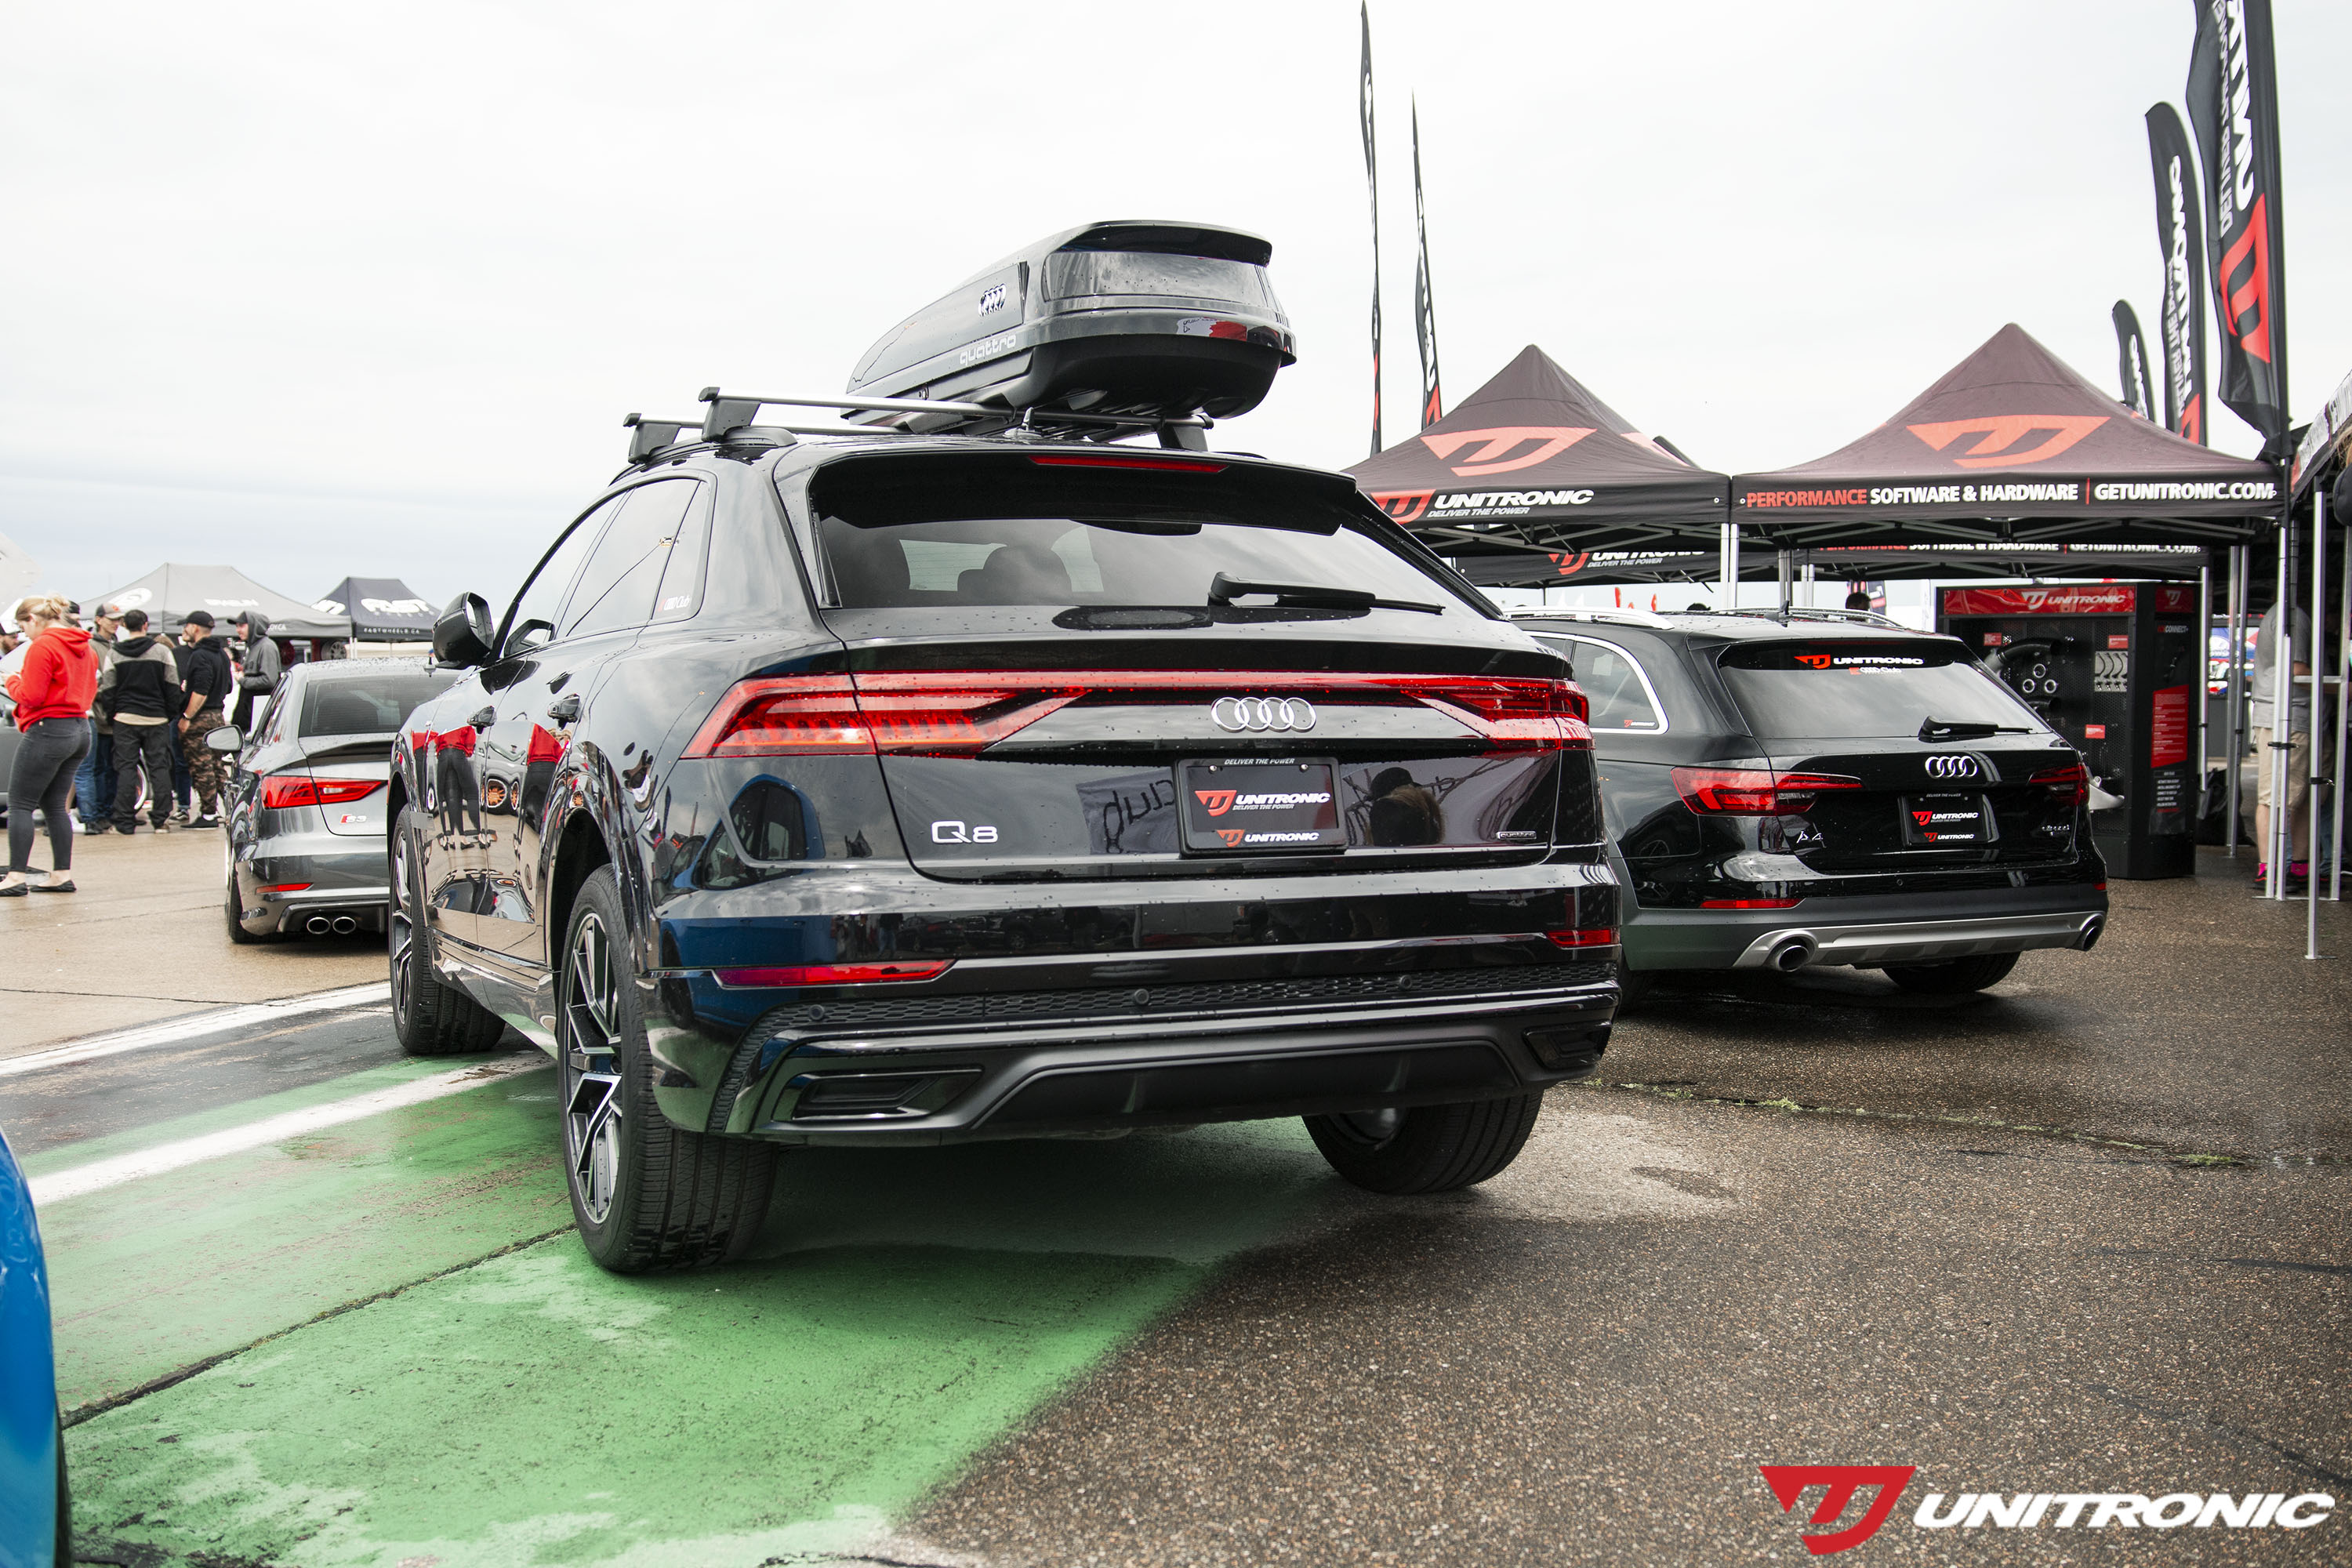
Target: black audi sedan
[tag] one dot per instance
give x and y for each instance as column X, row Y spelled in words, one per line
column 305, row 799
column 895, row 790
column 1819, row 788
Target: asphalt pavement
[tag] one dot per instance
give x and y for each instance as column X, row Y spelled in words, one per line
column 319, row 1304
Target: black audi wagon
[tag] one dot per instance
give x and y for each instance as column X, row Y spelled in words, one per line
column 1785, row 790
column 901, row 789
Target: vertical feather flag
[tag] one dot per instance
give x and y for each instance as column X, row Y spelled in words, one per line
column 1372, row 181
column 2180, row 239
column 1425, row 304
column 2131, row 361
column 2233, row 104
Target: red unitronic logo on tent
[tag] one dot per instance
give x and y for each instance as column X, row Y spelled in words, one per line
column 1497, row 451
column 2000, row 433
column 1840, row 1483
column 1403, row 506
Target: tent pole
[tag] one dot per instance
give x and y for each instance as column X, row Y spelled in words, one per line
column 2281, row 835
column 1787, row 561
column 1809, row 583
column 2343, row 703
column 2204, row 700
column 1727, row 566
column 2233, row 717
column 2318, row 625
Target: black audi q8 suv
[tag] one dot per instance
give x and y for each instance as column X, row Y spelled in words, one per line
column 1814, row 788
column 908, row 789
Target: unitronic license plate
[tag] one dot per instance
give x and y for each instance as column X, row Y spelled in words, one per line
column 1245, row 805
column 1945, row 821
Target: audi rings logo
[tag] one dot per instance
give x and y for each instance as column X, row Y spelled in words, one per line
column 1956, row 767
column 1240, row 713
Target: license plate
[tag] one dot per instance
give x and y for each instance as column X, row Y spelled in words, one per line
column 1239, row 806
column 1945, row 821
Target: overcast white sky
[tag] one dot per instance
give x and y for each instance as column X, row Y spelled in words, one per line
column 326, row 290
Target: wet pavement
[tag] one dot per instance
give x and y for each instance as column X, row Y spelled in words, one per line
column 317, row 1304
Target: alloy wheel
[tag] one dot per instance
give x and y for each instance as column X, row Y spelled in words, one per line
column 592, row 1068
column 403, row 934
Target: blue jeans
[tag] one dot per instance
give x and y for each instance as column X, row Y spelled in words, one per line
column 94, row 784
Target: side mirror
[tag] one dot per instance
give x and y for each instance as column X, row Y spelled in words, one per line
column 223, row 738
column 461, row 636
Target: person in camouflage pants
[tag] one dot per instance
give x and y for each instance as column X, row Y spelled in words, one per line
column 207, row 681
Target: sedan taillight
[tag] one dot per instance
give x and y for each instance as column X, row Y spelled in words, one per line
column 2069, row 785
column 282, row 791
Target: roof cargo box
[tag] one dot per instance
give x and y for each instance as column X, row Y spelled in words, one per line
column 1122, row 322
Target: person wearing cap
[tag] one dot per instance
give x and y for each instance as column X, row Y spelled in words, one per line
column 94, row 784
column 140, row 693
column 206, row 684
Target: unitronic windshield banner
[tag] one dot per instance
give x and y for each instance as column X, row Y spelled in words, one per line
column 2131, row 359
column 2180, row 238
column 1425, row 304
column 2233, row 104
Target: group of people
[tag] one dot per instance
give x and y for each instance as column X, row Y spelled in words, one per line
column 98, row 706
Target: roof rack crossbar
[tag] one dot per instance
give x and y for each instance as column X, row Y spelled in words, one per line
column 731, row 409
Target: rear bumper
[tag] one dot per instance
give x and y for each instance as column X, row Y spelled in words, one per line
column 345, row 877
column 944, row 1089
column 1869, row 933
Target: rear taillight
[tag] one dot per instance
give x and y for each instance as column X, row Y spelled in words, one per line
column 1747, row 903
column 281, row 790
column 1754, row 792
column 1158, row 464
column 1585, row 936
column 833, row 973
column 959, row 713
column 2069, row 785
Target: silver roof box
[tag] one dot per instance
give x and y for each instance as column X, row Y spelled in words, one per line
column 1125, row 323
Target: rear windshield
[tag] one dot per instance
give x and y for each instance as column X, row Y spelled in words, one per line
column 367, row 705
column 949, row 534
column 1858, row 690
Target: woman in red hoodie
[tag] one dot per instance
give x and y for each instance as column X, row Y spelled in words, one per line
column 52, row 693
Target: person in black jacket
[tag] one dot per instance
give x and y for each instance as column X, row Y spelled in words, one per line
column 139, row 693
column 207, row 683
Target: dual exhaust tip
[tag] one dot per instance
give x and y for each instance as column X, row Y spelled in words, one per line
column 340, row 925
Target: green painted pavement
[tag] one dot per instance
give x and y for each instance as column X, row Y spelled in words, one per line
column 906, row 1308
column 159, row 1274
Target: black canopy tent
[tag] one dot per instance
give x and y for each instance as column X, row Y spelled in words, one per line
column 382, row 609
column 2011, row 446
column 1533, row 465
column 1876, row 562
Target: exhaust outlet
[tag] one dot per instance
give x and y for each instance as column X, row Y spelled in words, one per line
column 1792, row 952
column 2092, row 931
column 317, row 925
column 345, row 925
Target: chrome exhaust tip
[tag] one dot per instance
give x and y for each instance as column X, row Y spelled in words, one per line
column 345, row 925
column 2092, row 931
column 1792, row 951
column 317, row 925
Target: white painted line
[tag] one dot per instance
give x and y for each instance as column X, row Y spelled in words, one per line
column 171, row 1031
column 78, row 1181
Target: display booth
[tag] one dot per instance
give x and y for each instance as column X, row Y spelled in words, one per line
column 381, row 610
column 171, row 592
column 1532, row 473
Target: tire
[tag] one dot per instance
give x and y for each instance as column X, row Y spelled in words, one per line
column 430, row 1018
column 1955, row 977
column 645, row 1195
column 230, row 909
column 65, row 1552
column 1432, row 1149
column 1634, row 985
